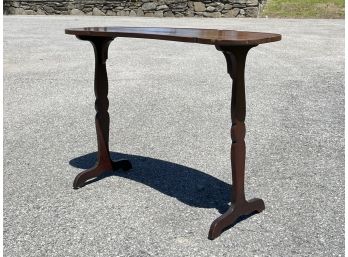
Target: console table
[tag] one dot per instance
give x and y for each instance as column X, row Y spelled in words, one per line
column 234, row 45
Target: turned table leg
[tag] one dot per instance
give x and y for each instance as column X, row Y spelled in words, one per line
column 235, row 57
column 102, row 119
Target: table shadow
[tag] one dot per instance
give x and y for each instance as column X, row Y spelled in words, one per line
column 190, row 186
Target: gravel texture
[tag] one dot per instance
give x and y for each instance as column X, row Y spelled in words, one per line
column 169, row 108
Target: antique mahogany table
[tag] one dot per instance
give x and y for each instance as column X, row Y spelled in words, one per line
column 235, row 46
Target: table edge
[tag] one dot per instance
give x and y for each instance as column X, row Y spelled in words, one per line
column 78, row 32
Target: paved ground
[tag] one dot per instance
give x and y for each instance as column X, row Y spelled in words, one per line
column 170, row 115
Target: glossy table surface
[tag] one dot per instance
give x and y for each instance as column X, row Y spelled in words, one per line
column 193, row 35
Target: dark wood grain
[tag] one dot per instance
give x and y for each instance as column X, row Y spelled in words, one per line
column 236, row 58
column 235, row 46
column 192, row 35
column 102, row 119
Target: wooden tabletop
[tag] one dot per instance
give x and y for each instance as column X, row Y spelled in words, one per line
column 193, row 35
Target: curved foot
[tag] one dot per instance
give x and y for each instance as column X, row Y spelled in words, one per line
column 98, row 170
column 82, row 177
column 232, row 214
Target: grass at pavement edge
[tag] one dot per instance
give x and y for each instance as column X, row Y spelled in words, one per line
column 304, row 9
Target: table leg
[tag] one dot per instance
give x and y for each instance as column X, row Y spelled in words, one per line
column 102, row 119
column 235, row 57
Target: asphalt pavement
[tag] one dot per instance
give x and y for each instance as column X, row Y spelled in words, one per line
column 169, row 109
